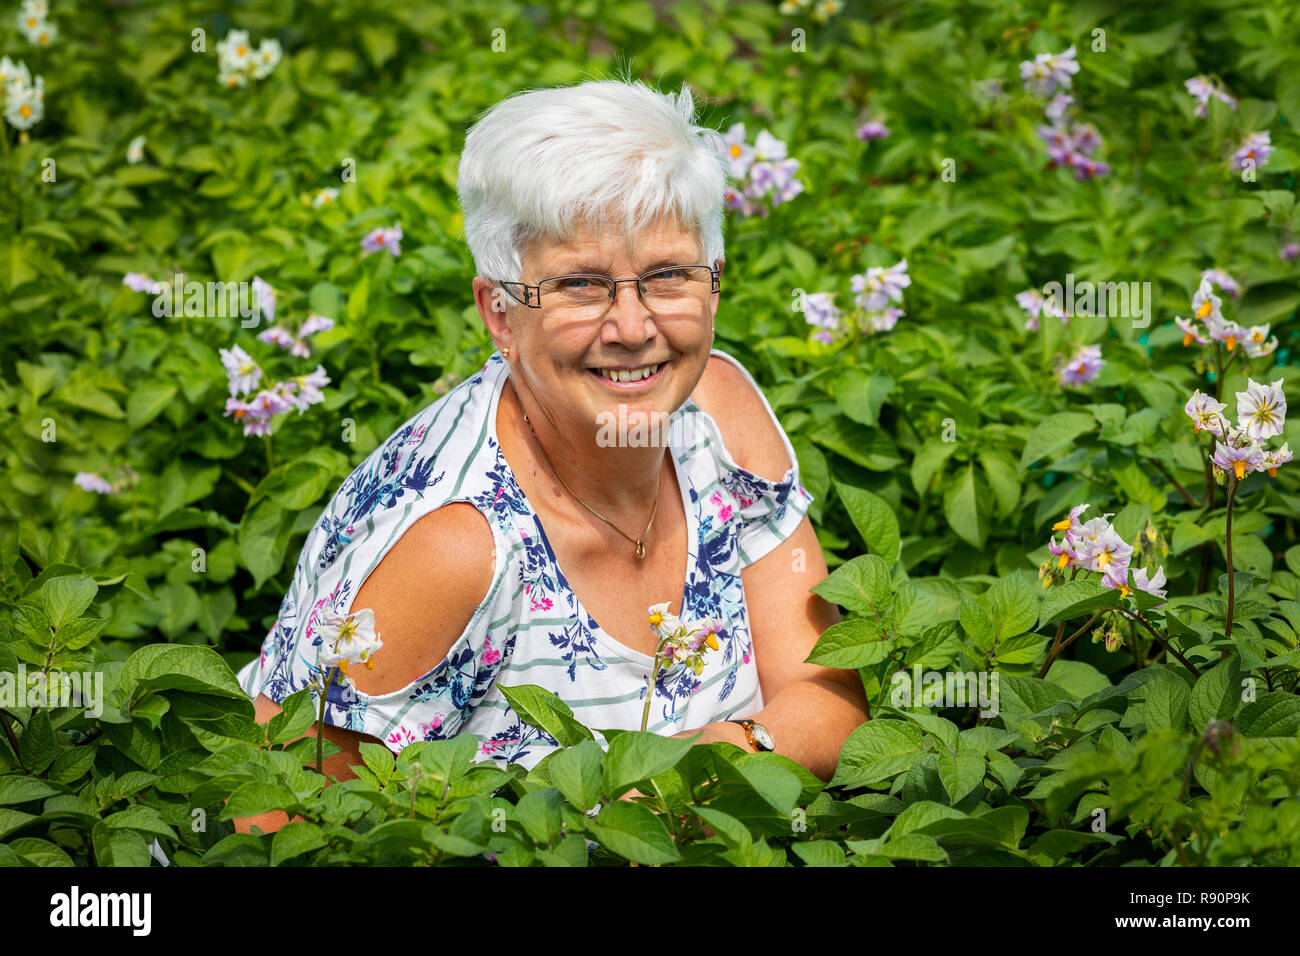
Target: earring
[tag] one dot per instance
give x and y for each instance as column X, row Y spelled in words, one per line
column 505, row 352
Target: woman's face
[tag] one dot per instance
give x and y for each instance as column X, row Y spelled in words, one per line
column 560, row 358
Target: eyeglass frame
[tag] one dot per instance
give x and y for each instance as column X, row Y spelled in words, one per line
column 613, row 292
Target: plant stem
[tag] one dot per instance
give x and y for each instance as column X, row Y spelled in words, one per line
column 320, row 723
column 1173, row 651
column 270, row 461
column 650, row 691
column 1181, row 490
column 4, row 720
column 1047, row 665
column 1227, row 549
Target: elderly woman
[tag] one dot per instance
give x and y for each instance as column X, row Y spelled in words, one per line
column 517, row 530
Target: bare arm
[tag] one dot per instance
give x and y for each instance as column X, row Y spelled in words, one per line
column 423, row 594
column 809, row 709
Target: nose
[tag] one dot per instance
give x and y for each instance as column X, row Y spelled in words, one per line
column 628, row 321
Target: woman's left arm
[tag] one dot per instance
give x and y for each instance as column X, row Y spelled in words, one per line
column 810, row 710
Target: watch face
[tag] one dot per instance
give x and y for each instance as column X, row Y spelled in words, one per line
column 763, row 737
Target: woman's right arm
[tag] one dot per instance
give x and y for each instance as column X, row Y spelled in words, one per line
column 423, row 594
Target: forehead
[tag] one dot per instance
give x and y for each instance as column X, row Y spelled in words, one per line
column 663, row 242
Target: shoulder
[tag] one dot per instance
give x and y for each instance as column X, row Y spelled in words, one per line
column 425, row 592
column 728, row 395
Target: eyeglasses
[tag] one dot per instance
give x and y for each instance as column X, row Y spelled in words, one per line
column 667, row 291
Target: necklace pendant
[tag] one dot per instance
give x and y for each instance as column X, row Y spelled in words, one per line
column 640, row 548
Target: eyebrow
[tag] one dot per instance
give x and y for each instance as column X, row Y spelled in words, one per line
column 601, row 267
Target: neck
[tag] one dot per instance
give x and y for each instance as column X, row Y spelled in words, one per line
column 620, row 482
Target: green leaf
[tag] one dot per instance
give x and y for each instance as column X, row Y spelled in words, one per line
column 79, row 632
column 36, row 747
column 860, row 395
column 67, row 597
column 861, row 585
column 295, row 839
column 857, row 642
column 577, row 773
column 539, row 812
column 147, row 400
column 1166, row 702
column 297, row 714
column 1053, row 434
column 876, row 751
column 633, row 832
column 960, row 773
column 142, row 819
column 542, row 709
column 263, row 538
column 874, row 519
column 1075, row 599
column 929, row 461
column 257, row 797
column 635, row 756
column 1000, row 472
column 19, row 788
column 963, row 510
column 1276, row 714
column 770, row 780
column 1216, row 694
column 820, row 853
column 180, row 667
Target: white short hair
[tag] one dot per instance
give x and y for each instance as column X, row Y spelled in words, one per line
column 604, row 153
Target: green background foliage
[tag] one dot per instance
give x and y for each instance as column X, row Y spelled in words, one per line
column 939, row 453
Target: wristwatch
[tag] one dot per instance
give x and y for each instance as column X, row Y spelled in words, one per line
column 759, row 737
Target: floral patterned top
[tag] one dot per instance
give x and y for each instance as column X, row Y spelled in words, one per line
column 530, row 627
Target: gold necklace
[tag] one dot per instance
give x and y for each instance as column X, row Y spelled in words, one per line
column 639, row 542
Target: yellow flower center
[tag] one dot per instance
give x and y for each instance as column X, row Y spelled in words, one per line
column 25, row 110
column 1239, row 467
column 1231, row 342
column 1205, row 309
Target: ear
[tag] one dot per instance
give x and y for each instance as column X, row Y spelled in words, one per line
column 493, row 305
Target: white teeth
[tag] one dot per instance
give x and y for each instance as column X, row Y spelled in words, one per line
column 623, row 375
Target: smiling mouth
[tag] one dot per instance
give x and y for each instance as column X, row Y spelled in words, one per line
column 627, row 376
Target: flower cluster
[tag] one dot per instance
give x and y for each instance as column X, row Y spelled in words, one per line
column 296, row 343
column 244, row 376
column 33, row 24
column 1261, row 415
column 1034, row 304
column 1202, row 87
column 376, row 239
column 1069, row 143
column 346, row 639
column 680, row 641
column 1207, row 308
column 1095, row 545
column 1254, row 150
column 822, row 10
column 1082, row 367
column 873, row 291
column 764, row 173
column 22, row 99
column 324, row 197
column 238, row 62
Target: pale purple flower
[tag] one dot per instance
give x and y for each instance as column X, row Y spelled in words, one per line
column 1205, row 304
column 877, row 287
column 254, row 420
column 306, row 389
column 276, row 336
column 739, row 153
column 1201, row 89
column 389, row 239
column 1240, row 460
column 884, row 321
column 1261, row 410
column 1056, row 108
column 1105, row 550
column 767, row 148
column 1255, row 148
column 872, row 130
column 271, row 401
column 265, row 297
column 826, row 338
column 240, row 369
column 1290, row 251
column 1085, row 138
column 313, row 324
column 1273, row 460
column 90, row 481
column 1083, row 366
column 1222, row 330
column 820, row 310
column 139, row 282
column 1191, row 331
column 1048, row 71
column 1227, row 283
column 736, row 200
column 1206, row 414
column 1257, row 343
column 1153, row 585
